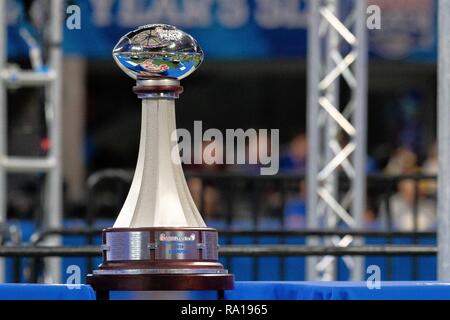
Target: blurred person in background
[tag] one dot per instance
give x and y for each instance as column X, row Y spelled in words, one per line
column 402, row 208
column 206, row 197
column 430, row 168
column 205, row 193
column 402, row 204
column 254, row 148
column 255, row 197
column 403, row 161
column 295, row 210
column 371, row 220
column 294, row 159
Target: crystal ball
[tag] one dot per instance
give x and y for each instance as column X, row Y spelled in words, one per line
column 158, row 50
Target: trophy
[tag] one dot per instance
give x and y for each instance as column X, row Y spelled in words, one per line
column 159, row 240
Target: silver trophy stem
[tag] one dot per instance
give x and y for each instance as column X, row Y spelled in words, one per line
column 159, row 195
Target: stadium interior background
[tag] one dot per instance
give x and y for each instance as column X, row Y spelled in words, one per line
column 266, row 90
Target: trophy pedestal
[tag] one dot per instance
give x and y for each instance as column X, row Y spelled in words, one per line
column 102, row 285
column 159, row 259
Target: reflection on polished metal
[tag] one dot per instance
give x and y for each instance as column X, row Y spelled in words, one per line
column 158, row 50
column 161, row 271
column 159, row 232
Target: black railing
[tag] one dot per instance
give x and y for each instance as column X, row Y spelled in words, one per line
column 36, row 251
column 39, row 237
column 235, row 251
column 235, row 189
column 255, row 199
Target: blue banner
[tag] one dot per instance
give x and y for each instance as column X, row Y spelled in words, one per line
column 232, row 29
column 408, row 30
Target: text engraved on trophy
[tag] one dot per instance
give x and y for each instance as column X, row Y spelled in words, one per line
column 127, row 246
column 178, row 245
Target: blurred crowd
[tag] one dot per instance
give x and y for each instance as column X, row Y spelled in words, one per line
column 403, row 199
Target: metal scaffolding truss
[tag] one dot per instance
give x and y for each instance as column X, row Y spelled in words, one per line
column 51, row 164
column 337, row 58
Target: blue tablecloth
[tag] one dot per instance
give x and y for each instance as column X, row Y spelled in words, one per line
column 260, row 291
column 405, row 290
column 45, row 292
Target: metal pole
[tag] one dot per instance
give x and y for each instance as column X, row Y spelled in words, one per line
column 313, row 130
column 3, row 120
column 330, row 132
column 53, row 192
column 329, row 121
column 444, row 141
column 360, row 122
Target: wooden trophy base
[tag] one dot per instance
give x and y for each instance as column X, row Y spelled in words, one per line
column 103, row 284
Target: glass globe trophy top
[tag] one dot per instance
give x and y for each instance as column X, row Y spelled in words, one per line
column 159, row 240
column 158, row 50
